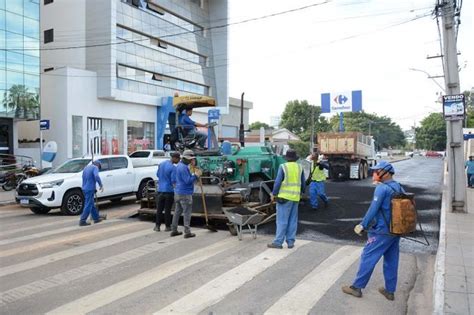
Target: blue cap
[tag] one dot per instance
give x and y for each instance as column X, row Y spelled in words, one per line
column 384, row 165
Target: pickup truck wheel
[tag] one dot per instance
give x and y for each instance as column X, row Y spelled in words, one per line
column 73, row 203
column 142, row 190
column 42, row 210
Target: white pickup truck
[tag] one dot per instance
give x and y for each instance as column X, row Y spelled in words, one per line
column 148, row 157
column 61, row 187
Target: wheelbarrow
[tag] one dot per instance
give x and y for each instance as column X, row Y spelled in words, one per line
column 241, row 217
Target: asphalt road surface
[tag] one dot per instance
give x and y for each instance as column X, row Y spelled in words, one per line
column 349, row 201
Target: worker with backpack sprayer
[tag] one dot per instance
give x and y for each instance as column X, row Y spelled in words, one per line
column 382, row 240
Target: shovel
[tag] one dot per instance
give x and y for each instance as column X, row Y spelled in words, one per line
column 208, row 226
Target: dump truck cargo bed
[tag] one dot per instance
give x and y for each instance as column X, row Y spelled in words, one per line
column 345, row 143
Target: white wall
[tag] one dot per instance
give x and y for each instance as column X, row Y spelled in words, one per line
column 67, row 18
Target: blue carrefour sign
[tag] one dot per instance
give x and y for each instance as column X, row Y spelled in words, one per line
column 341, row 102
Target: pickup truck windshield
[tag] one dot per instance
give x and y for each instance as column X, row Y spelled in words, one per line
column 73, row 166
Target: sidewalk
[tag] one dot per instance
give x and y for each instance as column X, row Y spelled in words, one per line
column 7, row 197
column 454, row 274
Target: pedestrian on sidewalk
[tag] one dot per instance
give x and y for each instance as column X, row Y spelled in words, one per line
column 380, row 242
column 470, row 171
column 186, row 175
column 289, row 184
column 316, row 180
column 165, row 193
column 90, row 179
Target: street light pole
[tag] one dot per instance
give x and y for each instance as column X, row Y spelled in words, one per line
column 456, row 185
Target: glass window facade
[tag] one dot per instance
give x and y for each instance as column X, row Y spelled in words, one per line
column 141, row 135
column 19, row 62
column 76, row 136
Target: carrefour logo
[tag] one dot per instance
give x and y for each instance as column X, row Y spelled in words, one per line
column 340, row 99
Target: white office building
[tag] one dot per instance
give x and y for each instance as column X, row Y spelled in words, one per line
column 108, row 65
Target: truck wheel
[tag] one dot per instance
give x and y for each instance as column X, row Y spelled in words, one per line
column 142, row 190
column 366, row 170
column 42, row 210
column 73, row 203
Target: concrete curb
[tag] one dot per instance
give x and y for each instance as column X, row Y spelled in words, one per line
column 438, row 280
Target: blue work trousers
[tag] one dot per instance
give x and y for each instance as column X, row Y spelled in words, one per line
column 286, row 222
column 316, row 189
column 89, row 207
column 376, row 247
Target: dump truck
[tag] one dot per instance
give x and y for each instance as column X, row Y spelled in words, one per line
column 349, row 154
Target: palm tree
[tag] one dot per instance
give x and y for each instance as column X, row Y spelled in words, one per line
column 22, row 101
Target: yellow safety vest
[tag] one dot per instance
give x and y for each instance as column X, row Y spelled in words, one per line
column 290, row 188
column 317, row 174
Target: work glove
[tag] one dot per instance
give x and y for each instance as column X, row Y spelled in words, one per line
column 101, row 189
column 358, row 229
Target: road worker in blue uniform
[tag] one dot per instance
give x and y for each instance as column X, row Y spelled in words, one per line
column 186, row 174
column 90, row 179
column 318, row 177
column 289, row 184
column 380, row 242
column 190, row 125
column 165, row 193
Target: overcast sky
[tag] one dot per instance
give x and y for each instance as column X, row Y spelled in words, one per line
column 342, row 46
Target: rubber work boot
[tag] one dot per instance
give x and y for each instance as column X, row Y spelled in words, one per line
column 156, row 228
column 168, row 229
column 103, row 216
column 84, row 223
column 352, row 291
column 273, row 245
column 290, row 246
column 175, row 233
column 189, row 235
column 389, row 296
column 99, row 220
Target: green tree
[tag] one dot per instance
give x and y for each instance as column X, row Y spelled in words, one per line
column 431, row 135
column 301, row 148
column 23, row 102
column 297, row 118
column 386, row 133
column 257, row 124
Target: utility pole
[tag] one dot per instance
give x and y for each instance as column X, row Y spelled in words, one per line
column 456, row 184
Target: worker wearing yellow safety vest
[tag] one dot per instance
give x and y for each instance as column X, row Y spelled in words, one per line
column 316, row 180
column 287, row 190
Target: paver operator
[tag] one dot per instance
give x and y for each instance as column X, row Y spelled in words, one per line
column 190, row 125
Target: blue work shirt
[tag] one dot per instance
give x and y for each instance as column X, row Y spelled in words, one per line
column 90, row 176
column 470, row 167
column 381, row 202
column 184, row 180
column 166, row 177
column 186, row 121
column 279, row 179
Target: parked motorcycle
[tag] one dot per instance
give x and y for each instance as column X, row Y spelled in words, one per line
column 11, row 180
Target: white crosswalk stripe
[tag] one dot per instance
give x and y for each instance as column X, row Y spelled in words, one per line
column 83, row 271
column 87, row 233
column 318, row 281
column 36, row 226
column 41, row 261
column 113, row 293
column 215, row 290
column 48, row 233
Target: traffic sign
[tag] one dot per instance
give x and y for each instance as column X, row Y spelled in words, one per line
column 44, row 124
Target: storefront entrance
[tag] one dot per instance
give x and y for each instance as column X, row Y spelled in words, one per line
column 6, row 136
